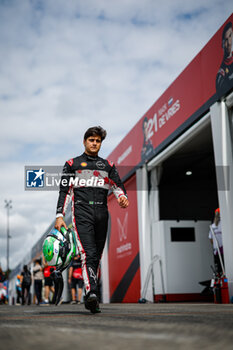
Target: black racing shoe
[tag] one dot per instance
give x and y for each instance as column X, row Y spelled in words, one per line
column 92, row 303
column 97, row 310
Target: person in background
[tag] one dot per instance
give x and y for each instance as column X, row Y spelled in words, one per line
column 3, row 294
column 216, row 226
column 38, row 280
column 26, row 281
column 2, row 275
column 18, row 290
column 48, row 282
column 76, row 278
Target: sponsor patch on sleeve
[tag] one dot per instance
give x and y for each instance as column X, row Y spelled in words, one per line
column 110, row 163
column 70, row 162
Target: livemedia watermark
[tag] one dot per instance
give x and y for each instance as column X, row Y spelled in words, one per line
column 50, row 178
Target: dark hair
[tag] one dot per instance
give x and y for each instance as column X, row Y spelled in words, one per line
column 95, row 131
column 25, row 267
column 144, row 120
column 225, row 29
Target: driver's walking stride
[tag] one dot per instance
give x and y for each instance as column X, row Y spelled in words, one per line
column 86, row 180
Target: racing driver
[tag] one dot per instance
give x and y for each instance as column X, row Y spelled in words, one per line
column 87, row 179
column 224, row 78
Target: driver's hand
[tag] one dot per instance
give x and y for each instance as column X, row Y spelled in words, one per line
column 59, row 223
column 123, row 202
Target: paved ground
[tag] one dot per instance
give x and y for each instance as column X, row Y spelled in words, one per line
column 119, row 326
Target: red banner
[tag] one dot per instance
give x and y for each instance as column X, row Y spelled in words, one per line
column 123, row 253
column 208, row 77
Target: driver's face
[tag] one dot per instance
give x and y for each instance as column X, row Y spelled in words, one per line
column 92, row 145
column 228, row 42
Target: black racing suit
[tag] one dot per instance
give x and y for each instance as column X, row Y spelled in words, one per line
column 224, row 78
column 87, row 181
column 147, row 149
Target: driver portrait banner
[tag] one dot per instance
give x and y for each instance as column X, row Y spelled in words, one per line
column 207, row 78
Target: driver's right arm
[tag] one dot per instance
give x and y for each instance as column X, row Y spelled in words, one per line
column 59, row 223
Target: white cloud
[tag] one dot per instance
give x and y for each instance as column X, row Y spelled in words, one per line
column 69, row 65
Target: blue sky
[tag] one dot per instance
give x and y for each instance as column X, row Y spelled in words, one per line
column 68, row 65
